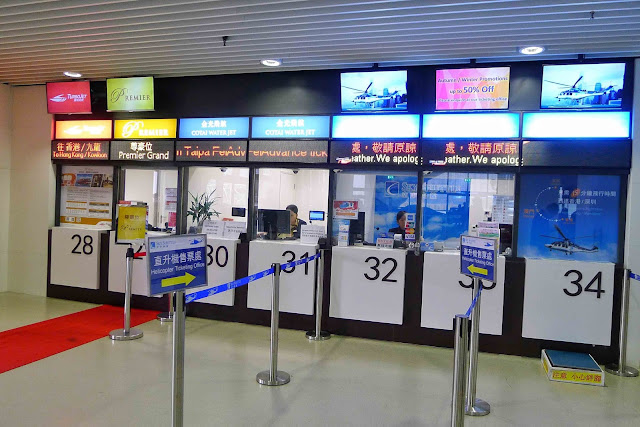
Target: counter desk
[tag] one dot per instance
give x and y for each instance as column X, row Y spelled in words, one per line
column 75, row 257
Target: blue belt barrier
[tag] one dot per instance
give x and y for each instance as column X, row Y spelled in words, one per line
column 634, row 276
column 245, row 280
column 473, row 303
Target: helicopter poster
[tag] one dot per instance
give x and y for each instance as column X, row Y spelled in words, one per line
column 374, row 91
column 582, row 86
column 569, row 217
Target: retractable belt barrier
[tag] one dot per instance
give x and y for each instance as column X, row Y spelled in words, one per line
column 634, row 276
column 474, row 302
column 245, row 280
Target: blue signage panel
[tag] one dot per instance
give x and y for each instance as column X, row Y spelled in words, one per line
column 478, row 257
column 214, row 128
column 177, row 263
column 584, row 124
column 290, row 127
column 471, row 125
column 377, row 126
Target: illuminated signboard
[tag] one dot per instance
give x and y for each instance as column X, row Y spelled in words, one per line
column 472, row 89
column 83, row 129
column 130, row 94
column 376, row 126
column 145, row 129
column 290, row 127
column 143, row 151
column 221, row 151
column 212, row 128
column 288, row 151
column 69, row 98
column 471, row 153
column 478, row 125
column 590, row 124
column 80, row 150
column 375, row 152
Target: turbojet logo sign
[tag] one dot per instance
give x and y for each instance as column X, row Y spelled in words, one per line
column 150, row 128
column 83, row 129
column 68, row 98
column 132, row 94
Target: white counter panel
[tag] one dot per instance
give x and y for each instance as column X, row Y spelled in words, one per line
column 221, row 268
column 118, row 269
column 75, row 257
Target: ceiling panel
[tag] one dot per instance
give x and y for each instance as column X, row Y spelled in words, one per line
column 39, row 39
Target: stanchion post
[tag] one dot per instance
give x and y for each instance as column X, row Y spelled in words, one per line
column 168, row 316
column 460, row 351
column 475, row 406
column 318, row 334
column 127, row 333
column 273, row 376
column 177, row 360
column 621, row 369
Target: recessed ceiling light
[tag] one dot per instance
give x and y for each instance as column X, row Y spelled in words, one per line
column 72, row 74
column 531, row 50
column 271, row 62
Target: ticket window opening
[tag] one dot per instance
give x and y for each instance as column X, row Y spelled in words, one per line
column 216, row 193
column 372, row 205
column 456, row 203
column 289, row 199
column 158, row 188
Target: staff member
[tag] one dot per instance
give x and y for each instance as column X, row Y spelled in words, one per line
column 401, row 219
column 296, row 223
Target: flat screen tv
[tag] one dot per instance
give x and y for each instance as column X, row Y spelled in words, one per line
column 374, row 91
column 582, row 86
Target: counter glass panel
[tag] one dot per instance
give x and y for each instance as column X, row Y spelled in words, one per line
column 158, row 188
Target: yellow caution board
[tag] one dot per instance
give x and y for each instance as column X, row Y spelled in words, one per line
column 570, row 367
column 132, row 224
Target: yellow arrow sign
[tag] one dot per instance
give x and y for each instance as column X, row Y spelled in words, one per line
column 473, row 269
column 173, row 281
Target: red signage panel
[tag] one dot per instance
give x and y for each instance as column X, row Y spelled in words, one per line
column 69, row 98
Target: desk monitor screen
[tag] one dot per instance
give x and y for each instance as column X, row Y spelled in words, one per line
column 356, row 229
column 316, row 215
column 272, row 222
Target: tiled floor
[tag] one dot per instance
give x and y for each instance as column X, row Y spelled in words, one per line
column 340, row 382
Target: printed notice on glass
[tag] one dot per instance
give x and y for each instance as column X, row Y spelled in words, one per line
column 86, row 195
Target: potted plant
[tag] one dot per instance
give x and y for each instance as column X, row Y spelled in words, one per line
column 201, row 208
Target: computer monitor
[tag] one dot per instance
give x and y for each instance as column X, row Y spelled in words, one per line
column 272, row 222
column 356, row 229
column 316, row 215
column 506, row 236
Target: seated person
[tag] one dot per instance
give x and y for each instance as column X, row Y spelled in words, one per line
column 296, row 223
column 401, row 219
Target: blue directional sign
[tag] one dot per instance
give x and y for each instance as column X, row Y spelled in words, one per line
column 215, row 128
column 177, row 263
column 290, row 127
column 478, row 257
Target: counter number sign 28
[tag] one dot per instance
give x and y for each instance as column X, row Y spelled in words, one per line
column 83, row 245
column 594, row 285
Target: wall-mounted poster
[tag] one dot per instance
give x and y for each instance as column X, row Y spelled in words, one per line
column 374, row 91
column 345, row 209
column 582, row 86
column 86, row 196
column 472, row 89
column 130, row 94
column 394, row 193
column 569, row 217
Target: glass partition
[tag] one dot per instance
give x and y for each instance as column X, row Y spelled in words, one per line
column 158, row 188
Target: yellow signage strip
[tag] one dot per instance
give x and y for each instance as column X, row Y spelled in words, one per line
column 145, row 129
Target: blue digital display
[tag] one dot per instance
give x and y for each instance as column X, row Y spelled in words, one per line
column 316, row 215
column 378, row 126
column 294, row 127
column 589, row 124
column 483, row 125
column 215, row 128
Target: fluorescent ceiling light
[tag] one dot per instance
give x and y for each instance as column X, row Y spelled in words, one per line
column 72, row 74
column 531, row 50
column 271, row 62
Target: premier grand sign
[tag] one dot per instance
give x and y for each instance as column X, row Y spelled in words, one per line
column 143, row 151
column 131, row 94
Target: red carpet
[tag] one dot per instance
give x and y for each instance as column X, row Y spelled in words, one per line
column 28, row 344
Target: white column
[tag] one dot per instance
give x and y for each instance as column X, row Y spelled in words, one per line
column 5, row 175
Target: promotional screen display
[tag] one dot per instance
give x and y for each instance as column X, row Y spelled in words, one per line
column 69, row 98
column 213, row 128
column 130, row 94
column 375, row 152
column 393, row 194
column 472, row 89
column 143, row 151
column 374, row 91
column 144, row 129
column 86, row 194
column 80, row 150
column 83, row 129
column 471, row 153
column 288, row 151
column 290, row 127
column 230, row 151
column 582, row 86
column 569, row 217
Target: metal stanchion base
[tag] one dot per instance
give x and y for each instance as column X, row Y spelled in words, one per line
column 282, row 378
column 165, row 317
column 628, row 371
column 479, row 409
column 324, row 335
column 120, row 335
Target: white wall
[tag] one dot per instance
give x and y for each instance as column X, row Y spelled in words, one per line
column 5, row 175
column 32, row 187
column 632, row 235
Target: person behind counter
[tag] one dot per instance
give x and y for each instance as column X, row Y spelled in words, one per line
column 401, row 219
column 296, row 223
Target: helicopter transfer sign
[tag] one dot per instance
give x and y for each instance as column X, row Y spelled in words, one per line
column 177, row 263
column 478, row 257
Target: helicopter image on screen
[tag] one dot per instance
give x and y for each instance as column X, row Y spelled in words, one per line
column 576, row 94
column 566, row 245
column 369, row 98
